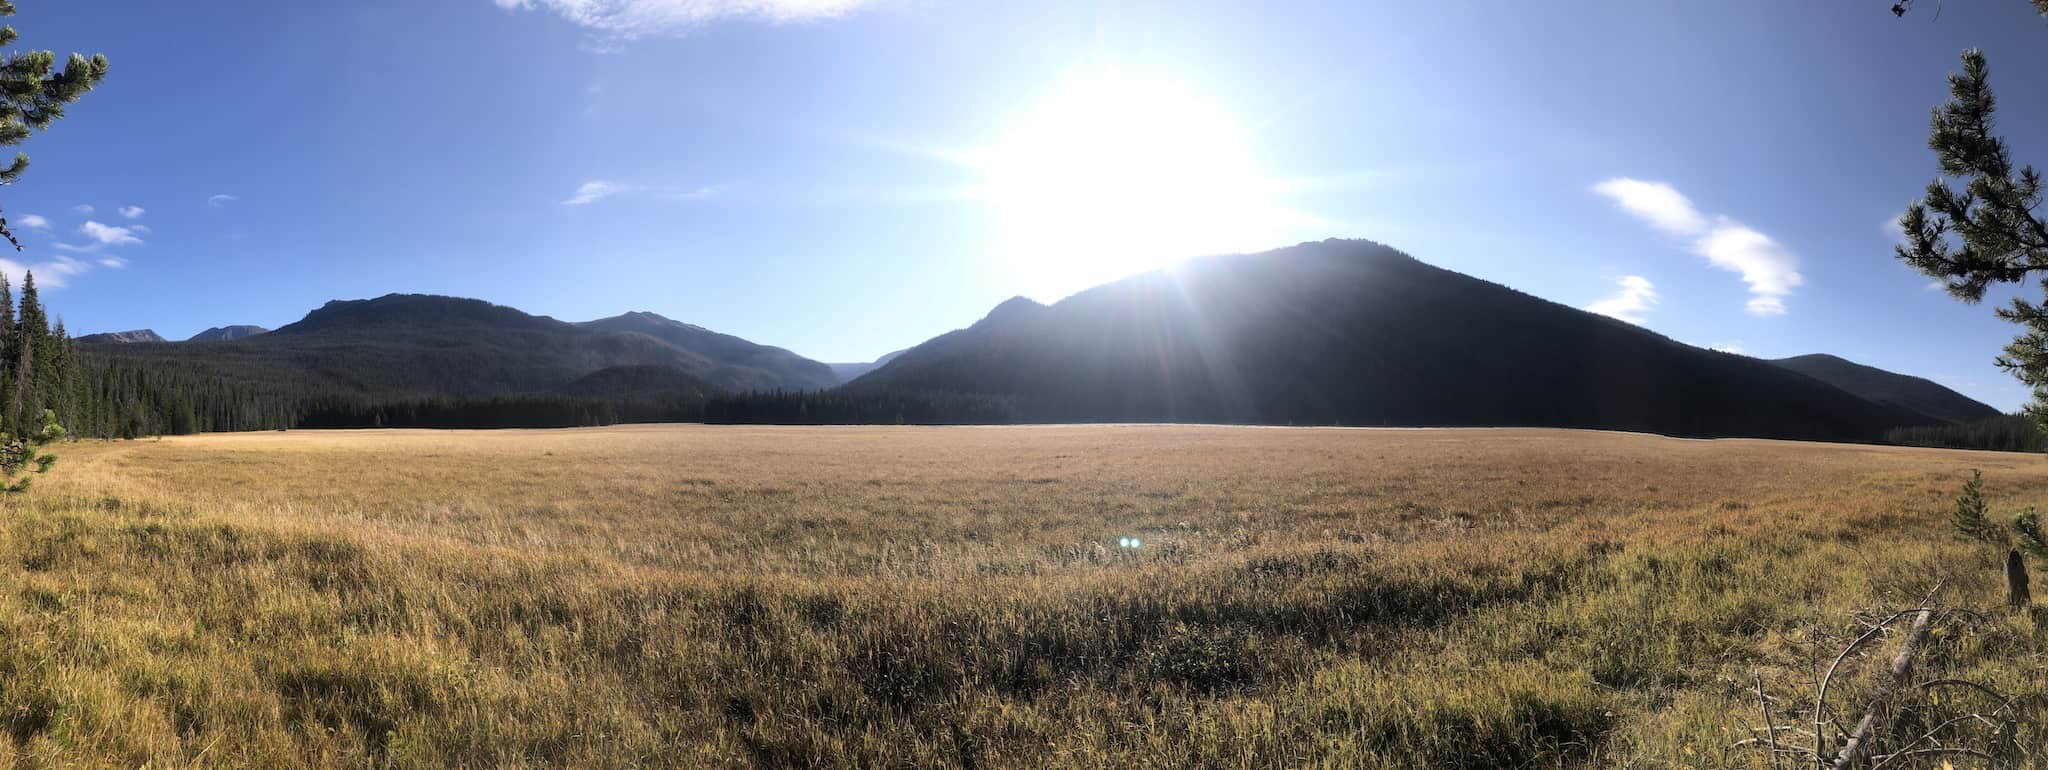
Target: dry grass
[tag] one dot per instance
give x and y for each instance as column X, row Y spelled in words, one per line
column 726, row 596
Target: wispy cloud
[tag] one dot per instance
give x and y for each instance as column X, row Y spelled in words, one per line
column 55, row 273
column 99, row 236
column 1735, row 348
column 597, row 190
column 133, row 212
column 642, row 18
column 83, row 209
column 1632, row 303
column 113, row 262
column 698, row 194
column 220, row 200
column 1770, row 270
column 33, row 222
column 109, row 235
column 1657, row 203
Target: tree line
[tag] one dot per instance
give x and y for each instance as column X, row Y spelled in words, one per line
column 113, row 396
column 2005, row 433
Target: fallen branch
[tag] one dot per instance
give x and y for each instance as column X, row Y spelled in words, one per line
column 1902, row 666
column 1821, row 718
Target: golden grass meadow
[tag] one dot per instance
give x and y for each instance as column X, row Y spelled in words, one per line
column 693, row 596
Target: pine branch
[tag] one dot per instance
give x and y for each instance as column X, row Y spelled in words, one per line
column 1986, row 230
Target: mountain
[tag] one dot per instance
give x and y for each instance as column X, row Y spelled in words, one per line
column 847, row 372
column 746, row 365
column 226, row 333
column 1900, row 390
column 123, row 338
column 412, row 346
column 638, row 383
column 1356, row 333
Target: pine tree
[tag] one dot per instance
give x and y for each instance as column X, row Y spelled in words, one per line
column 6, row 351
column 29, row 329
column 2002, row 239
column 33, row 95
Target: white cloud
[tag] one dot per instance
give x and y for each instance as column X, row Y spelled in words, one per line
column 83, row 209
column 113, row 262
column 51, row 274
column 1729, row 348
column 109, row 235
column 1771, row 271
column 1632, row 303
column 597, row 190
column 220, row 200
column 638, row 18
column 33, row 222
column 1660, row 204
column 133, row 212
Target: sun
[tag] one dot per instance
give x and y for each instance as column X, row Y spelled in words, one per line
column 1113, row 172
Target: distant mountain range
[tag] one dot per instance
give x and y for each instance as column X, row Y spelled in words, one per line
column 119, row 338
column 1356, row 333
column 730, row 362
column 1903, row 391
column 215, row 334
column 1337, row 332
column 410, row 346
column 850, row 371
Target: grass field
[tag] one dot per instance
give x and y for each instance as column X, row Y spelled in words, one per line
column 722, row 596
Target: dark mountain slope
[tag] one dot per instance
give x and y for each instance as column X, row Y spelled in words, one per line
column 226, row 333
column 1904, row 391
column 735, row 360
column 1355, row 333
column 134, row 336
column 638, row 383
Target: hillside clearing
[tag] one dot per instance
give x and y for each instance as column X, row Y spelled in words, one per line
column 829, row 596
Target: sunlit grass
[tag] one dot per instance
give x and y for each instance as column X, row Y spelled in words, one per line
column 695, row 596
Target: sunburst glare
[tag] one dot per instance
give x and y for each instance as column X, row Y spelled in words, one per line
column 1112, row 172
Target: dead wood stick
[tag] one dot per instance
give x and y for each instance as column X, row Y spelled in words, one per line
column 1902, row 666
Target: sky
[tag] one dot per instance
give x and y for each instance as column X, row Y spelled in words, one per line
column 845, row 178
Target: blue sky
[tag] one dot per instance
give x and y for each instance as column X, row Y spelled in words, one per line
column 848, row 177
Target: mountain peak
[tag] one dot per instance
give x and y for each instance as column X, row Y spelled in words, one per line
column 227, row 333
column 123, row 338
column 1019, row 306
column 412, row 310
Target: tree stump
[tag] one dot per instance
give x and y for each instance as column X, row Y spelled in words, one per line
column 2016, row 579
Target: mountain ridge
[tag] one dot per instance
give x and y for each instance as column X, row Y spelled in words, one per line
column 410, row 346
column 1332, row 332
column 1916, row 393
column 129, row 337
column 1357, row 333
column 227, row 333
